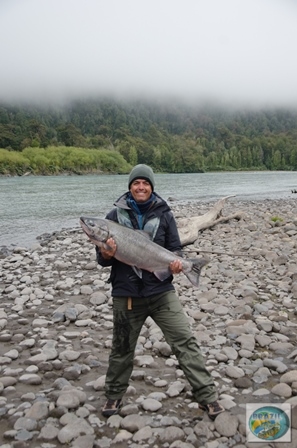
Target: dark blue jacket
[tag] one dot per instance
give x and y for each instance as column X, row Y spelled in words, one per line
column 125, row 282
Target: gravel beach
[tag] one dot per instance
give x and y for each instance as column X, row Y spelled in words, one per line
column 56, row 327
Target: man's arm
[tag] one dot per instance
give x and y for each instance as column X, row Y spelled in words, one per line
column 173, row 244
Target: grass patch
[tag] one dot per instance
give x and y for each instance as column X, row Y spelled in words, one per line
column 276, row 219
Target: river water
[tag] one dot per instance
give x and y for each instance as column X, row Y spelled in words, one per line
column 33, row 205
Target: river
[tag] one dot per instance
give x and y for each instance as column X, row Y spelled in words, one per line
column 33, row 205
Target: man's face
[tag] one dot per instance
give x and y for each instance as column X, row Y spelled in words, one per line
column 141, row 190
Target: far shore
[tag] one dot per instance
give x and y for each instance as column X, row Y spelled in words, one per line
column 106, row 173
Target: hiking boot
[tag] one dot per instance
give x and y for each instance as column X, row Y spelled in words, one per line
column 111, row 407
column 213, row 409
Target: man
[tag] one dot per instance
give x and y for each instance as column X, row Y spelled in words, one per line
column 135, row 298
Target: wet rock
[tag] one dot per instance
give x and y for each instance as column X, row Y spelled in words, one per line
column 73, row 430
column 171, row 434
column 150, row 404
column 56, row 329
column 226, row 424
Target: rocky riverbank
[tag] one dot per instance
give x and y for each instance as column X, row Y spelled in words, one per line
column 55, row 334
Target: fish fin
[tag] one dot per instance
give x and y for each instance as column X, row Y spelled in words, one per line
column 98, row 243
column 163, row 274
column 137, row 271
column 194, row 274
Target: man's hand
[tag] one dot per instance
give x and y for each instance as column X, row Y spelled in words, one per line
column 176, row 267
column 107, row 254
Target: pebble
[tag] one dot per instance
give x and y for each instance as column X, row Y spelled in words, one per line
column 56, row 330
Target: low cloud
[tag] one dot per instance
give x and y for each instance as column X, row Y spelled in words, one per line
column 234, row 52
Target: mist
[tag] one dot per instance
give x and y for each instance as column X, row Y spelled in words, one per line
column 234, row 52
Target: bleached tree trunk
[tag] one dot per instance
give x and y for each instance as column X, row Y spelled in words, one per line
column 189, row 228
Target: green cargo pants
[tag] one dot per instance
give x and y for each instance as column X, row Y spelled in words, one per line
column 167, row 312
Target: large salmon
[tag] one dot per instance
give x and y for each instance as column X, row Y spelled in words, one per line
column 135, row 248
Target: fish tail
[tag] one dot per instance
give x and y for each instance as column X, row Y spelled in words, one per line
column 194, row 274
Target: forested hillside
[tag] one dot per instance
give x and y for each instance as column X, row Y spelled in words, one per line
column 171, row 137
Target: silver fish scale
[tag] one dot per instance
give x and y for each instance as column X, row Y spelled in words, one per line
column 137, row 250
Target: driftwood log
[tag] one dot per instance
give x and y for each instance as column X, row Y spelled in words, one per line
column 188, row 228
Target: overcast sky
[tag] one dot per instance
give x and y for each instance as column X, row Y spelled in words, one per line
column 233, row 51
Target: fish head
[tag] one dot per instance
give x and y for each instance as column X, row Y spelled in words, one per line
column 96, row 228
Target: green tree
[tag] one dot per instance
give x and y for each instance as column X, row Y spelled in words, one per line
column 293, row 158
column 276, row 160
column 69, row 135
column 12, row 162
column 132, row 158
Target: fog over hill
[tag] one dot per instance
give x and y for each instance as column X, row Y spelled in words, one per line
column 231, row 52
